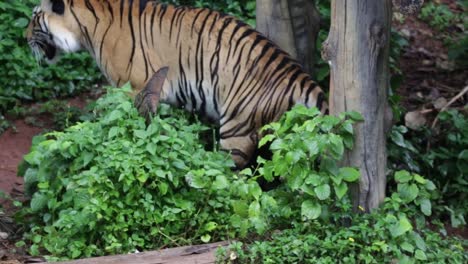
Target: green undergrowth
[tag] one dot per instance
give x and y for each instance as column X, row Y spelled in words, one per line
column 115, row 185
column 441, row 154
column 398, row 232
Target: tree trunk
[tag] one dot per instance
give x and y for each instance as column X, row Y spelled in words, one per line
column 358, row 51
column 293, row 25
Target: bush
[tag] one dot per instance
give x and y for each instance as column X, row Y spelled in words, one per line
column 116, row 185
column 441, row 155
column 387, row 235
column 21, row 76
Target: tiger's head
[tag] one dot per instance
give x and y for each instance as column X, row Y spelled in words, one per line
column 53, row 30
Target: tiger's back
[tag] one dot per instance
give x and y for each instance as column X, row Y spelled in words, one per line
column 218, row 66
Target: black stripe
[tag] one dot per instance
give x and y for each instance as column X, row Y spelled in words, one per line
column 90, row 7
column 132, row 32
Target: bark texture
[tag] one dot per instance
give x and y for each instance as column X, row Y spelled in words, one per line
column 293, row 25
column 358, row 51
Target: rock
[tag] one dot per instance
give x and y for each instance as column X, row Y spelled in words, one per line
column 3, row 235
column 415, row 120
column 440, row 103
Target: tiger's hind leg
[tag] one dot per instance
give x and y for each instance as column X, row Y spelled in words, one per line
column 147, row 100
column 242, row 147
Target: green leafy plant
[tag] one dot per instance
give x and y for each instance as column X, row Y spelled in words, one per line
column 387, row 235
column 441, row 156
column 438, row 15
column 116, row 185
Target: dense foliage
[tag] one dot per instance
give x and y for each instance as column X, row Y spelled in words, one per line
column 115, row 185
column 441, row 155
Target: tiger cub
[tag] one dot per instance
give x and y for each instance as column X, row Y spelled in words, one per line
column 212, row 63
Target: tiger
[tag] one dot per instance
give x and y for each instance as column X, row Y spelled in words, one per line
column 198, row 59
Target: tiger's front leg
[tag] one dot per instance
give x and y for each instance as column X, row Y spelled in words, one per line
column 147, row 101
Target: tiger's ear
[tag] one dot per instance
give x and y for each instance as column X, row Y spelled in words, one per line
column 147, row 101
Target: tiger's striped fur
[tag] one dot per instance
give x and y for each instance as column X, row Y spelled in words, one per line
column 218, row 66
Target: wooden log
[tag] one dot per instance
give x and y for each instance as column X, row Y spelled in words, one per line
column 201, row 254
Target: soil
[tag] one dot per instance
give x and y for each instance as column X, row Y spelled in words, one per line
column 428, row 76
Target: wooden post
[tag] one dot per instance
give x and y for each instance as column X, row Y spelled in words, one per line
column 358, row 51
column 293, row 25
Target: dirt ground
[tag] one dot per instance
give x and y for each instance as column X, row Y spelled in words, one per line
column 428, row 76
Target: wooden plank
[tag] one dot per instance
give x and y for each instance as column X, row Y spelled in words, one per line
column 200, row 254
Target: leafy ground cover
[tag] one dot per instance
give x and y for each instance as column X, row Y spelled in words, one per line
column 115, row 185
column 146, row 182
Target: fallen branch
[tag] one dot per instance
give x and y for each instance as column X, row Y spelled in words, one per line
column 454, row 99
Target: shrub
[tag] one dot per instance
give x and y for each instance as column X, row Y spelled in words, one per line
column 387, row 235
column 440, row 154
column 116, row 185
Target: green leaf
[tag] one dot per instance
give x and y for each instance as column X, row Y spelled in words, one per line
column 113, row 132
column 196, row 181
column 163, row 188
column 355, row 116
column 322, row 191
column 143, row 177
column 254, row 209
column 221, row 182
column 419, row 254
column 114, row 115
column 311, row 210
column 419, row 179
column 142, row 134
column 426, row 207
column 407, row 247
column 255, row 190
column 313, row 179
column 402, row 176
column 241, row 208
column 340, row 190
column 401, row 227
column 430, row 186
column 266, row 139
column 21, row 22
column 419, row 241
column 210, row 226
column 349, row 174
column 38, row 202
column 151, row 148
column 205, row 238
column 337, row 145
column 408, row 192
